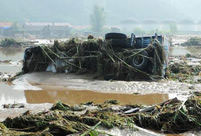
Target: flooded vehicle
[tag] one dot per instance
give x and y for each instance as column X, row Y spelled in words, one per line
column 141, row 61
column 37, row 91
column 117, row 57
column 100, row 68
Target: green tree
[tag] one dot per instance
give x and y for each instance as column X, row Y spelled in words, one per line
column 173, row 28
column 97, row 19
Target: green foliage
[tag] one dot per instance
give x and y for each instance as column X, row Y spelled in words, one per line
column 60, row 106
column 97, row 19
column 94, row 133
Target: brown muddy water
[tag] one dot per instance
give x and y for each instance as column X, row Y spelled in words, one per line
column 73, row 97
column 10, row 68
column 47, row 87
column 51, row 95
column 73, row 89
column 36, row 90
column 13, row 54
column 11, row 59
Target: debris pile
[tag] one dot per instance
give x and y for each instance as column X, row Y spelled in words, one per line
column 4, row 77
column 8, row 42
column 172, row 116
column 63, row 120
column 194, row 41
column 96, row 56
column 185, row 70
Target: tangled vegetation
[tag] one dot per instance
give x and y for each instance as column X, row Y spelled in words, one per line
column 96, row 56
column 172, row 116
column 184, row 72
column 194, row 41
column 9, row 42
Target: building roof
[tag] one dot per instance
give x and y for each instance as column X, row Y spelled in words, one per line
column 38, row 24
column 5, row 25
column 47, row 24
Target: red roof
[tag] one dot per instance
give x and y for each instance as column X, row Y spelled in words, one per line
column 5, row 24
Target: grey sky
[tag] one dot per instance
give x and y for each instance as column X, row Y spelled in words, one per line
column 78, row 11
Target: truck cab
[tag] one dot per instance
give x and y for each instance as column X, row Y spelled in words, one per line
column 144, row 61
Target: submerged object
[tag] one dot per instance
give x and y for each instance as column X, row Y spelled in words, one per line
column 117, row 57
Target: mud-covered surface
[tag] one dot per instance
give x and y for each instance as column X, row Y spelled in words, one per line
column 38, row 91
column 171, row 116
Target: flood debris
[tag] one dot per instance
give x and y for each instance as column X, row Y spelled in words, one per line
column 172, row 116
column 9, row 42
column 185, row 70
column 4, row 77
column 193, row 41
column 97, row 56
column 16, row 105
column 9, row 77
column 62, row 120
column 5, row 61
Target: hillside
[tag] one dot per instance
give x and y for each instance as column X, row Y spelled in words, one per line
column 78, row 12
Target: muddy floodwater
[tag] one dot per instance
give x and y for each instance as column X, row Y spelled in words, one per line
column 47, row 87
column 179, row 51
column 10, row 68
column 38, row 91
column 51, row 95
column 73, row 97
column 11, row 59
column 13, row 54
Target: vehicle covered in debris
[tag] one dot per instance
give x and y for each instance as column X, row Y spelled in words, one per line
column 116, row 57
column 141, row 61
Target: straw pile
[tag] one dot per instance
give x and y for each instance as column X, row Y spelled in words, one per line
column 96, row 56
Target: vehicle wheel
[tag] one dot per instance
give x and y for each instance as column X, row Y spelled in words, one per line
column 110, row 36
column 140, row 61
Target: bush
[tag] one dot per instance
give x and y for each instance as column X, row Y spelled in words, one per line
column 194, row 41
column 8, row 42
